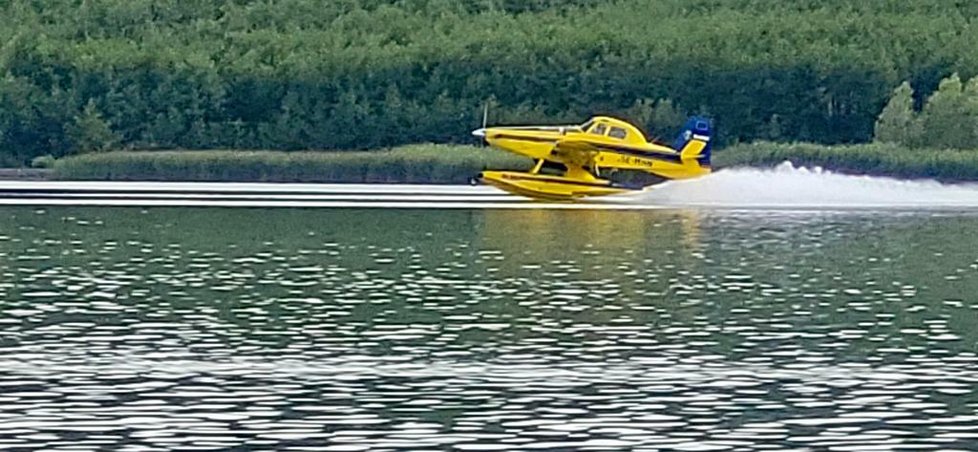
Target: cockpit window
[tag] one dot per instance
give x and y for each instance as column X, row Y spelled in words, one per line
column 587, row 125
column 599, row 129
column 618, row 132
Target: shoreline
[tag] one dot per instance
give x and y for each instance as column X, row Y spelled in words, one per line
column 26, row 174
column 456, row 164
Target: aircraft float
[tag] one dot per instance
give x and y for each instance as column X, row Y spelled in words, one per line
column 581, row 153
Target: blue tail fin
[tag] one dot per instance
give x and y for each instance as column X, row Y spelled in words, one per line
column 695, row 140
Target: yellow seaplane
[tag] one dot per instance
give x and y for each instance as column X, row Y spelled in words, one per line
column 571, row 160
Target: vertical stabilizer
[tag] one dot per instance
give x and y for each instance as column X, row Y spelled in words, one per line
column 695, row 140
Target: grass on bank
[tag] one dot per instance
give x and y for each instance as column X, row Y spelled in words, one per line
column 453, row 164
column 423, row 163
column 877, row 159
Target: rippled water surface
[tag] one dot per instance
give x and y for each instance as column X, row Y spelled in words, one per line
column 487, row 329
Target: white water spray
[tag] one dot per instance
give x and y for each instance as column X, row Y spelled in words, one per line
column 788, row 187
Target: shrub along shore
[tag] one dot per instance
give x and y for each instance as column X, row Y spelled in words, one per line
column 875, row 159
column 454, row 164
column 423, row 163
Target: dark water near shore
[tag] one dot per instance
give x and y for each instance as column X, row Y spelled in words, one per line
column 487, row 329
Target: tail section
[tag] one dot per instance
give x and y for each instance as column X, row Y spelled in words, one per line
column 694, row 142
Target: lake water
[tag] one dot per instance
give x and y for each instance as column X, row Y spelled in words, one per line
column 472, row 329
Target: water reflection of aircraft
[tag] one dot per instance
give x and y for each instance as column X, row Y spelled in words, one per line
column 580, row 153
column 541, row 235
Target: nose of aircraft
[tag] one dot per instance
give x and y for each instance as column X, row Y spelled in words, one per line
column 481, row 133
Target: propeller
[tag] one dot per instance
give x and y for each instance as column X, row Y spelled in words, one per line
column 481, row 133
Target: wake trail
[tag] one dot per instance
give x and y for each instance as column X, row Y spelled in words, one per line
column 786, row 186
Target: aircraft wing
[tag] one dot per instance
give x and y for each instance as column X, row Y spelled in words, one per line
column 621, row 155
column 576, row 151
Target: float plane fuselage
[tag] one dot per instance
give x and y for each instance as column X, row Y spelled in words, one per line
column 582, row 152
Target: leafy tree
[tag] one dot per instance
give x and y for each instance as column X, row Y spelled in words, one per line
column 949, row 115
column 89, row 132
column 667, row 119
column 640, row 113
column 969, row 121
column 898, row 123
column 775, row 128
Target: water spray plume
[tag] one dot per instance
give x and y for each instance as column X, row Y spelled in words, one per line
column 789, row 187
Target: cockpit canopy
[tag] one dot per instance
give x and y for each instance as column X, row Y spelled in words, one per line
column 613, row 128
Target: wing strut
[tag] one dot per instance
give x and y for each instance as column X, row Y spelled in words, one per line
column 536, row 168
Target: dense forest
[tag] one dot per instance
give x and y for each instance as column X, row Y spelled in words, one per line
column 82, row 75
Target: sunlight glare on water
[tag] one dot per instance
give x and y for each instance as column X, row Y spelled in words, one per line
column 394, row 329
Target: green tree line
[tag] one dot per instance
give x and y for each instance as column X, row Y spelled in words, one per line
column 947, row 120
column 81, row 75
